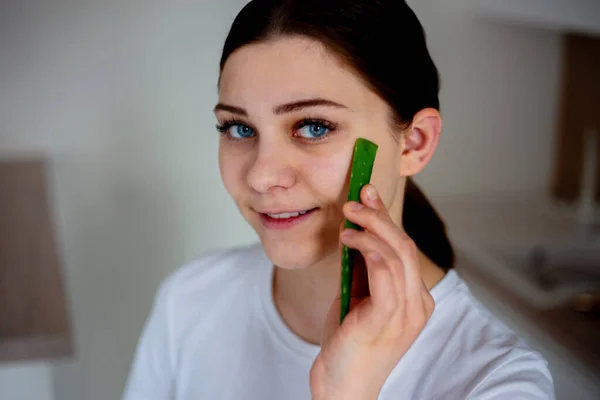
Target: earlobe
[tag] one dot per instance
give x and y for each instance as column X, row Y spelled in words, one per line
column 420, row 141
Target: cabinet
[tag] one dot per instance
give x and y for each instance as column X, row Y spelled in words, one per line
column 34, row 321
column 578, row 115
column 574, row 16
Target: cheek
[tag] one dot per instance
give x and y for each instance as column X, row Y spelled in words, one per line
column 328, row 176
column 385, row 173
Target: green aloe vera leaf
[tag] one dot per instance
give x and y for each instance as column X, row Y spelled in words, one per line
column 360, row 175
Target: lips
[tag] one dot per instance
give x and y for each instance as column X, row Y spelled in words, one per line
column 285, row 219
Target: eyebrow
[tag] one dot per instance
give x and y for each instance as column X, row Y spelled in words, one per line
column 284, row 108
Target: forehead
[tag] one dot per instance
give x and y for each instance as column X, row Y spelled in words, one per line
column 285, row 69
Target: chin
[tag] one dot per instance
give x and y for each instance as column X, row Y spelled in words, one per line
column 295, row 255
column 301, row 246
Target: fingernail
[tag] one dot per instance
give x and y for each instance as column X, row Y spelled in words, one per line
column 374, row 256
column 371, row 193
column 348, row 232
column 355, row 206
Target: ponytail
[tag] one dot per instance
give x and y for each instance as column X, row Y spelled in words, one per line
column 425, row 227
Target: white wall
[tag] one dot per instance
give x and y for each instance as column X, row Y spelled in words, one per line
column 500, row 85
column 26, row 381
column 119, row 96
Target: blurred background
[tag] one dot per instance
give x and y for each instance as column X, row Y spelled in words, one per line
column 106, row 115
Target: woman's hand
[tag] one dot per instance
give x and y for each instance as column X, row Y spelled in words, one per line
column 357, row 356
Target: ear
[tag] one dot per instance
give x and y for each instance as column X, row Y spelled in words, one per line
column 420, row 141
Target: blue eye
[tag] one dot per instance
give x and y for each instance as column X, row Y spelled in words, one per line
column 241, row 131
column 235, row 130
column 313, row 130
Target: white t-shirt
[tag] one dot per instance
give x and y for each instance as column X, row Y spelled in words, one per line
column 215, row 334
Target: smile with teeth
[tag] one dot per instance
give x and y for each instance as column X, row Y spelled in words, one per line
column 287, row 215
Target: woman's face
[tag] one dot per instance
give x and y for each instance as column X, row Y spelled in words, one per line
column 290, row 115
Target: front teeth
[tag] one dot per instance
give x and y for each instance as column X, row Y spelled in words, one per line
column 287, row 215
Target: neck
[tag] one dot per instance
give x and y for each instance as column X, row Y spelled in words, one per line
column 303, row 297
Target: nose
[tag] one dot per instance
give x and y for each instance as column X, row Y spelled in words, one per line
column 272, row 168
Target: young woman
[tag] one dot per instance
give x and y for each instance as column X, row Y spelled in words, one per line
column 300, row 81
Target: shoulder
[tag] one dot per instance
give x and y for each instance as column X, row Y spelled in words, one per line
column 197, row 287
column 237, row 263
column 521, row 374
column 509, row 367
column 485, row 356
column 190, row 297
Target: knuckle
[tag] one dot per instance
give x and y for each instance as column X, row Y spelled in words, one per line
column 390, row 306
column 371, row 218
column 367, row 238
column 377, row 214
column 396, row 264
column 407, row 245
column 379, row 274
column 373, row 214
column 389, row 303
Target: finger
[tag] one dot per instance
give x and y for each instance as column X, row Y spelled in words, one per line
column 371, row 198
column 373, row 220
column 406, row 301
column 372, row 247
column 408, row 253
column 375, row 312
column 378, row 221
column 368, row 244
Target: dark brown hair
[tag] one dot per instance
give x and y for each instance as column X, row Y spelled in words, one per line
column 384, row 43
